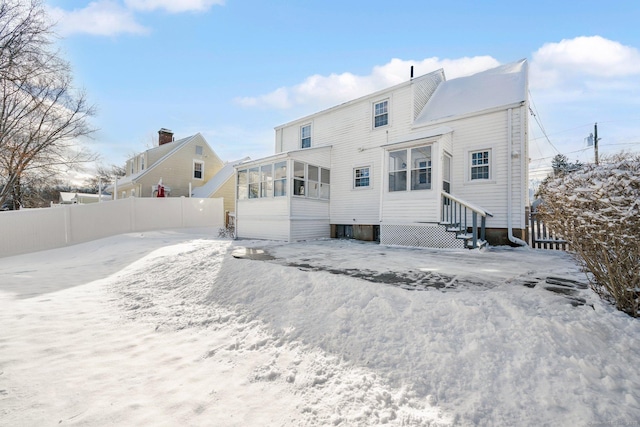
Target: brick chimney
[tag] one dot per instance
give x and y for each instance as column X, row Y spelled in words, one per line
column 164, row 136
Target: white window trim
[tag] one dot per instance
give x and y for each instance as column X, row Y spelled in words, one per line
column 310, row 125
column 193, row 170
column 201, row 150
column 373, row 113
column 408, row 168
column 467, row 169
column 353, row 179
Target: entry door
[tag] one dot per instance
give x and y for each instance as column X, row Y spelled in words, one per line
column 446, row 173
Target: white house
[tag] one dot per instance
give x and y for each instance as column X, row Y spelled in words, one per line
column 428, row 162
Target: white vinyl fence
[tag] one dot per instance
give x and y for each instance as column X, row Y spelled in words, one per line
column 31, row 230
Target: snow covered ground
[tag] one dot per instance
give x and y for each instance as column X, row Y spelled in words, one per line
column 168, row 328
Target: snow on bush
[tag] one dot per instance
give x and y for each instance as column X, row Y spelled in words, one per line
column 597, row 209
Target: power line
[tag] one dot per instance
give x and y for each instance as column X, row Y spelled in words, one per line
column 544, row 132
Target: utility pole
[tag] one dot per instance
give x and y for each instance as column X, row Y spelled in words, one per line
column 595, row 141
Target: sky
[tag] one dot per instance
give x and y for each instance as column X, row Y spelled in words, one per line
column 233, row 70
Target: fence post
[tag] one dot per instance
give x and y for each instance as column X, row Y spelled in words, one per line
column 67, row 224
column 132, row 214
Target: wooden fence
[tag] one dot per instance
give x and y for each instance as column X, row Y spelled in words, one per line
column 541, row 237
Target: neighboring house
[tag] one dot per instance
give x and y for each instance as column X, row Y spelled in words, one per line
column 412, row 165
column 222, row 185
column 67, row 198
column 181, row 165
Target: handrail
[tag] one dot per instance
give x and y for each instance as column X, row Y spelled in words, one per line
column 454, row 215
column 483, row 212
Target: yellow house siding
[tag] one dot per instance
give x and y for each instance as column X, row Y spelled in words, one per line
column 228, row 193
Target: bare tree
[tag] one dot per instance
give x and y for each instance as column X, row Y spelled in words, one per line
column 43, row 117
column 105, row 175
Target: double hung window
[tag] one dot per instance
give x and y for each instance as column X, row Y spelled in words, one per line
column 361, row 177
column 280, row 179
column 381, row 114
column 299, row 178
column 313, row 183
column 254, row 182
column 421, row 168
column 480, row 164
column 198, row 169
column 266, row 180
column 305, row 136
column 398, row 170
column 243, row 188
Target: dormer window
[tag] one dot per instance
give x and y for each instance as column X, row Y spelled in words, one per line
column 305, row 136
column 381, row 113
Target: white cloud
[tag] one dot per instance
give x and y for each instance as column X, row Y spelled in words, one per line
column 323, row 91
column 102, row 17
column 173, row 6
column 594, row 57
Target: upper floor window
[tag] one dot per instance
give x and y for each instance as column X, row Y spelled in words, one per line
column 480, row 164
column 381, row 114
column 305, row 136
column 361, row 177
column 199, row 150
column 198, row 169
column 142, row 162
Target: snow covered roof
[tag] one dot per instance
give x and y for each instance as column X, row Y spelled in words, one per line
column 285, row 154
column 441, row 130
column 497, row 87
column 177, row 145
column 70, row 197
column 218, row 180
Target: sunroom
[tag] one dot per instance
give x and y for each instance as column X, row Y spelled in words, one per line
column 285, row 196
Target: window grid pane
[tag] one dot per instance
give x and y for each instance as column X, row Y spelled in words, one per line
column 480, row 165
column 197, row 170
column 421, row 168
column 380, row 114
column 305, row 136
column 361, row 177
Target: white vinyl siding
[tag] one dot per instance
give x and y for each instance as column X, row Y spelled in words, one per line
column 489, row 131
column 348, row 130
